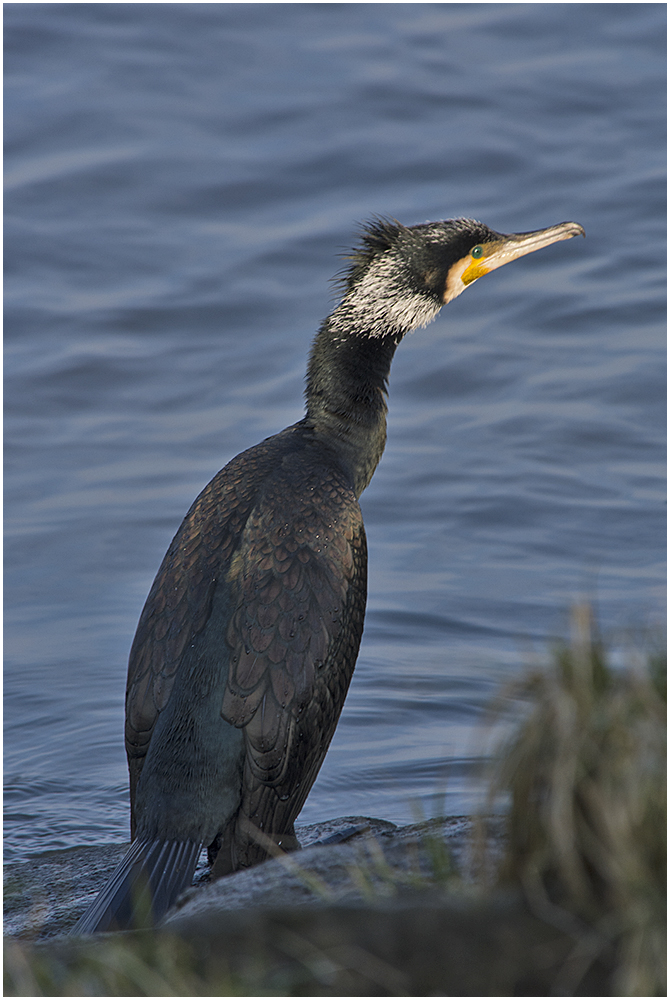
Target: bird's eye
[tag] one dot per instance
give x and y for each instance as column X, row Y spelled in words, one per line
column 476, row 252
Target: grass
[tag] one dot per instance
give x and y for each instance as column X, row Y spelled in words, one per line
column 146, row 966
column 586, row 828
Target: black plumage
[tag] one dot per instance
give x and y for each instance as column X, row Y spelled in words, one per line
column 248, row 640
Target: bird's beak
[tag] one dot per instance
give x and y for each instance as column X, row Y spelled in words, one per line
column 515, row 245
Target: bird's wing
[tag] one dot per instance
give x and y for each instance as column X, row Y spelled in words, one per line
column 284, row 536
column 180, row 601
column 292, row 576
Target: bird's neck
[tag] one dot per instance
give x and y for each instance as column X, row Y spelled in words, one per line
column 346, row 395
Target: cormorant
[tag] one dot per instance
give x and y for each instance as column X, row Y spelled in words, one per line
column 247, row 642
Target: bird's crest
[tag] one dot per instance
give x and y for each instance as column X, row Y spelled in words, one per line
column 375, row 237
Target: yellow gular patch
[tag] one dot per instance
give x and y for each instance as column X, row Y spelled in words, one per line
column 476, row 269
column 461, row 274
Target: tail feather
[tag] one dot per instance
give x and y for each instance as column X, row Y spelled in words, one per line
column 143, row 887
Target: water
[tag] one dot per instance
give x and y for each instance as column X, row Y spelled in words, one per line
column 180, row 180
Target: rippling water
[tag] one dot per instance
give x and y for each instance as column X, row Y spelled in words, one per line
column 180, row 179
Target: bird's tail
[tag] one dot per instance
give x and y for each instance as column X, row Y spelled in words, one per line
column 143, row 887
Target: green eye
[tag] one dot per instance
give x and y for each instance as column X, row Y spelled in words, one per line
column 476, row 252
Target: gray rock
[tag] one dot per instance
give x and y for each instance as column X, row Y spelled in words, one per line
column 377, row 860
column 45, row 895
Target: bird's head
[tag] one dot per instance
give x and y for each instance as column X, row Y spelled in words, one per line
column 400, row 276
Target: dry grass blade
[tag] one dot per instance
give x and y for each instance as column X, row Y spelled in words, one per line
column 586, row 827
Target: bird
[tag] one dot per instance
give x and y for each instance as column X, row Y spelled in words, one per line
column 248, row 639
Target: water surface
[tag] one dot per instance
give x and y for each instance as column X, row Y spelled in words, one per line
column 180, row 181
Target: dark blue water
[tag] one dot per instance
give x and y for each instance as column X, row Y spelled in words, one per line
column 180, row 179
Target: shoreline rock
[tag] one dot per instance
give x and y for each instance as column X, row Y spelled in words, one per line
column 45, row 895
